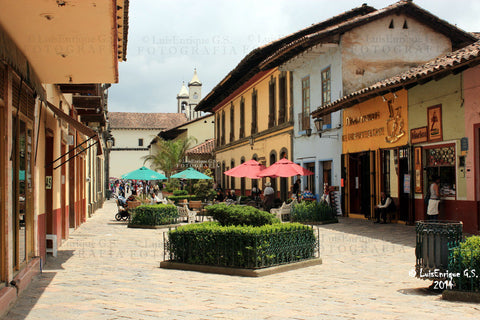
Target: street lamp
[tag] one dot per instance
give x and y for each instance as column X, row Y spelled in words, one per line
column 319, row 125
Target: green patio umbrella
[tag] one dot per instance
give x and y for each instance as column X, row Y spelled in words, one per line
column 190, row 173
column 144, row 174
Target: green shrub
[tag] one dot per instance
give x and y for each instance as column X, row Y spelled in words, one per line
column 188, row 197
column 465, row 260
column 210, row 243
column 312, row 211
column 234, row 215
column 180, row 192
column 154, row 215
column 203, row 188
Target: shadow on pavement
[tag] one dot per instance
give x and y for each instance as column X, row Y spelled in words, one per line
column 35, row 289
column 394, row 233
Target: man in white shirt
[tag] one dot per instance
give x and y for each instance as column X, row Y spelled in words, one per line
column 383, row 208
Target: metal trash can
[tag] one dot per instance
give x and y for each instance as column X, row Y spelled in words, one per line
column 433, row 241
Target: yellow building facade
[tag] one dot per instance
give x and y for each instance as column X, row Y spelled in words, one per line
column 255, row 122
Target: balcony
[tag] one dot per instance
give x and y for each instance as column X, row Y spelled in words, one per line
column 303, row 121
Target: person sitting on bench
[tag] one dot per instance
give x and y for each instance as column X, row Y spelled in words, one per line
column 385, row 206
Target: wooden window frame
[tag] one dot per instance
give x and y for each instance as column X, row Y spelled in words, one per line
column 305, row 114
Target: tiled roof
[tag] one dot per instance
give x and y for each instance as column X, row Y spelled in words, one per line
column 249, row 65
column 458, row 37
column 453, row 62
column 204, row 148
column 283, row 49
column 138, row 120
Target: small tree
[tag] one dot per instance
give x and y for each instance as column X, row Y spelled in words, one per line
column 204, row 188
column 169, row 155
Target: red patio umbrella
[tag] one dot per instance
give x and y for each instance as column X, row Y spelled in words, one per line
column 284, row 168
column 249, row 169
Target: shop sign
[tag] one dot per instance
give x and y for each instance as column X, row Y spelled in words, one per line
column 418, row 135
column 380, row 122
column 435, row 132
column 48, row 182
column 464, row 144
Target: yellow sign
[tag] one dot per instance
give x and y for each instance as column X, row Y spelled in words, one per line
column 380, row 122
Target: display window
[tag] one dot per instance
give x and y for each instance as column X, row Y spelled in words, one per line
column 440, row 161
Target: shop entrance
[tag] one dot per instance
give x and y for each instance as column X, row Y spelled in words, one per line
column 359, row 183
column 404, row 185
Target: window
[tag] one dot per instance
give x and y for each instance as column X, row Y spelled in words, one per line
column 242, row 118
column 223, row 128
column 326, row 86
column 217, row 124
column 440, row 161
column 304, row 116
column 254, row 112
column 140, row 142
column 291, row 94
column 282, row 97
column 232, row 122
column 272, row 102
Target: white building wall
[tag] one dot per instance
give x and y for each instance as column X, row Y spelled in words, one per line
column 315, row 149
column 126, row 155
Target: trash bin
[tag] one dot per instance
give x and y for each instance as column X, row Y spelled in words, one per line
column 109, row 194
column 433, row 241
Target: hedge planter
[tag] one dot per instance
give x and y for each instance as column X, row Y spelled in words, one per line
column 464, row 264
column 241, row 246
column 154, row 215
column 312, row 212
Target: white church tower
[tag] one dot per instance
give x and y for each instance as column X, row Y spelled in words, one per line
column 187, row 100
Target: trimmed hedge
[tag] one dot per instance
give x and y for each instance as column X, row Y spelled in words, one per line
column 312, row 211
column 180, row 192
column 154, row 215
column 182, row 197
column 235, row 215
column 249, row 247
column 465, row 261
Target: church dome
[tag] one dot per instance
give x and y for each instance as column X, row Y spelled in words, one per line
column 183, row 92
column 195, row 81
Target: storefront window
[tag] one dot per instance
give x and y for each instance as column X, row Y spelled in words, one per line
column 441, row 162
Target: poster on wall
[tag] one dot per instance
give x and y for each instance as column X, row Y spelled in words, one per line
column 418, row 169
column 406, row 183
column 434, row 128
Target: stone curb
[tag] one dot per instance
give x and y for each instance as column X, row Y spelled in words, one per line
column 454, row 295
column 240, row 271
column 164, row 226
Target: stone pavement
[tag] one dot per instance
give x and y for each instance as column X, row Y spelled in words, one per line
column 108, row 271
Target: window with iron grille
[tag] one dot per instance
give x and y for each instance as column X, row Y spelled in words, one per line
column 254, row 128
column 242, row 118
column 140, row 142
column 232, row 122
column 272, row 101
column 304, row 117
column 282, row 97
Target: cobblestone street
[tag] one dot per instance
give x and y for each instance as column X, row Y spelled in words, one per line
column 108, row 271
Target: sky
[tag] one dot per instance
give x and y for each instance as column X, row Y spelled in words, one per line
column 167, row 40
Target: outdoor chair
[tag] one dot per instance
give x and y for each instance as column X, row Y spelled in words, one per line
column 133, row 204
column 284, row 209
column 186, row 214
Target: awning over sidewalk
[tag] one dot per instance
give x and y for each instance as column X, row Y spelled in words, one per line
column 74, row 123
column 80, row 127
